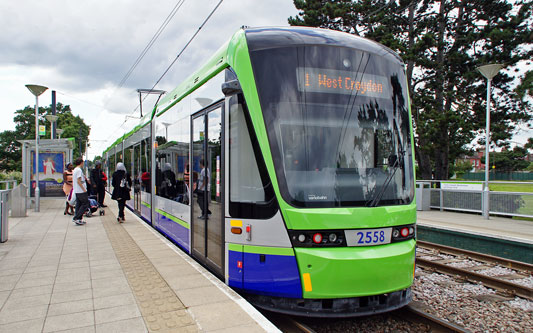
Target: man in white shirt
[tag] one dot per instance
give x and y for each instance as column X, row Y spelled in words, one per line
column 79, row 187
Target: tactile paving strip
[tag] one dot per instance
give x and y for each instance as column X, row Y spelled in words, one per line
column 161, row 309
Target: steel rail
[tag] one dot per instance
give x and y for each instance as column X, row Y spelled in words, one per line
column 286, row 323
column 509, row 263
column 489, row 281
column 416, row 315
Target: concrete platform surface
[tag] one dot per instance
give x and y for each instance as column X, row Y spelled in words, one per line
column 500, row 227
column 56, row 276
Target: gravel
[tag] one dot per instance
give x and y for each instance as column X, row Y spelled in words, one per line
column 473, row 306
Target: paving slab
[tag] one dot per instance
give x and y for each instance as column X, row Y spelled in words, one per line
column 109, row 277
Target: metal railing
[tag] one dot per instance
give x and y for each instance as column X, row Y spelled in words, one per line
column 5, row 184
column 471, row 199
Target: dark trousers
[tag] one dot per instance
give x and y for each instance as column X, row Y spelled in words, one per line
column 203, row 203
column 82, row 204
column 121, row 205
column 101, row 195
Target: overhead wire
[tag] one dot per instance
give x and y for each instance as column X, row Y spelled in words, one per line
column 188, row 43
column 151, row 42
column 174, row 61
column 179, row 54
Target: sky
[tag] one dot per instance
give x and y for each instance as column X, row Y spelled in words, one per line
column 83, row 50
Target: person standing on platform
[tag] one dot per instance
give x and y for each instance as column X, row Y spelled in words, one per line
column 98, row 183
column 121, row 182
column 203, row 195
column 67, row 187
column 79, row 186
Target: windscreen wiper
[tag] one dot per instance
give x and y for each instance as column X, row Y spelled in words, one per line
column 397, row 162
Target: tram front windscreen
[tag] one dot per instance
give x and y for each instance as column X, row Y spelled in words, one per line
column 338, row 125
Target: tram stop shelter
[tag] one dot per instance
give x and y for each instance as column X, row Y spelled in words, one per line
column 54, row 154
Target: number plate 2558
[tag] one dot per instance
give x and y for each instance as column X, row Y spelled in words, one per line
column 368, row 237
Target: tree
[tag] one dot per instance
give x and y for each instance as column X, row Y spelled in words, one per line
column 509, row 160
column 10, row 158
column 526, row 86
column 10, row 149
column 442, row 43
column 461, row 167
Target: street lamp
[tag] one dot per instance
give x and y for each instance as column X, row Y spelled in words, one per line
column 52, row 118
column 166, row 129
column 488, row 71
column 36, row 90
column 59, row 131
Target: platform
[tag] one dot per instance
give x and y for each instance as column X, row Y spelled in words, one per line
column 497, row 236
column 108, row 277
column 499, row 227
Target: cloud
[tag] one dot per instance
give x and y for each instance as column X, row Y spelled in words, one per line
column 84, row 49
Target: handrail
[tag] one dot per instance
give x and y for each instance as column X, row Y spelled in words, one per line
column 9, row 181
column 473, row 181
column 515, row 204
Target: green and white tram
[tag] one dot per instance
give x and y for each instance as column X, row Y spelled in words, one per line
column 285, row 166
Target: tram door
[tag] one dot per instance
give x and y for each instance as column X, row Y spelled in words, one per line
column 207, row 208
column 136, row 178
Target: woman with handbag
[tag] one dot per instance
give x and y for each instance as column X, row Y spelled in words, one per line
column 121, row 182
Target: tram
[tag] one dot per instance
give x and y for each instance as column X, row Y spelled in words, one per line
column 285, row 166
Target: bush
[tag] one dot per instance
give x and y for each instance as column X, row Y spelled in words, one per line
column 13, row 175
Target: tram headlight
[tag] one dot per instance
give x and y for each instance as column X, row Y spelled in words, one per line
column 402, row 233
column 317, row 238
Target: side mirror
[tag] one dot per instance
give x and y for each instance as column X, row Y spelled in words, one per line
column 231, row 88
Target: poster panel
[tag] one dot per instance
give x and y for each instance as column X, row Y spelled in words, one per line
column 51, row 166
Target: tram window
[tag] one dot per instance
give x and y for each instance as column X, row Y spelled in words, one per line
column 251, row 193
column 172, row 159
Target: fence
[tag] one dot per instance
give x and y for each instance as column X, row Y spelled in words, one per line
column 8, row 184
column 510, row 176
column 468, row 197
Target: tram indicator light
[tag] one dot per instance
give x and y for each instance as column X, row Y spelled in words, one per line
column 236, row 230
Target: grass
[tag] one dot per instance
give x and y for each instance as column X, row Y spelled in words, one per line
column 502, row 187
column 527, row 209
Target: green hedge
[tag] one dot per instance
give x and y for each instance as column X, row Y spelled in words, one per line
column 512, row 176
column 16, row 175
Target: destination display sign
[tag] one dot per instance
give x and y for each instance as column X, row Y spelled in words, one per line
column 342, row 82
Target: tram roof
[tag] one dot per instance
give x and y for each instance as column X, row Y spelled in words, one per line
column 278, row 37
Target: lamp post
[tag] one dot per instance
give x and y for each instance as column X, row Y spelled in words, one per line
column 166, row 129
column 488, row 71
column 52, row 118
column 36, row 90
column 59, row 131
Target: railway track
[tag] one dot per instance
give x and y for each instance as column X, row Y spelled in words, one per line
column 286, row 323
column 502, row 283
column 411, row 313
column 416, row 315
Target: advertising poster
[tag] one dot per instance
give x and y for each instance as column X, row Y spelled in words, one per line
column 51, row 166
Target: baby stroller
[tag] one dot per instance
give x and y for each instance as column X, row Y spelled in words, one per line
column 93, row 207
